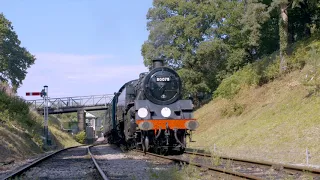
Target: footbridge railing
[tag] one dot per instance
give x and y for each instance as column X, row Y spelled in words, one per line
column 73, row 102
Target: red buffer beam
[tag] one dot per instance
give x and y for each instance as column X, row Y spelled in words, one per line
column 33, row 93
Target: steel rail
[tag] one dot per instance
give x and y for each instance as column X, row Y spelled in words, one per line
column 102, row 174
column 265, row 163
column 237, row 174
column 25, row 168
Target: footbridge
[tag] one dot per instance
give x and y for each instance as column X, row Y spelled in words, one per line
column 73, row 104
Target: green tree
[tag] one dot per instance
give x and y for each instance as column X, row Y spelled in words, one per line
column 209, row 40
column 195, row 36
column 14, row 59
column 302, row 13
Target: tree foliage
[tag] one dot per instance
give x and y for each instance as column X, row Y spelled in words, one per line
column 209, row 40
column 14, row 59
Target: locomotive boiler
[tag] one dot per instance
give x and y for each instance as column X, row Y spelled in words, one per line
column 149, row 113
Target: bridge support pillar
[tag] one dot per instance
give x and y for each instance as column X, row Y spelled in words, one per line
column 81, row 120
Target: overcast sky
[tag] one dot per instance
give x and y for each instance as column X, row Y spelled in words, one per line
column 83, row 47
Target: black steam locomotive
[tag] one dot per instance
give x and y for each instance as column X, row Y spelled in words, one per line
column 149, row 114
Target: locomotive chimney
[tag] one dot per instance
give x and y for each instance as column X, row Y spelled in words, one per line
column 157, row 63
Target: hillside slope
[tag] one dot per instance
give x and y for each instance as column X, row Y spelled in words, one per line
column 277, row 122
column 21, row 131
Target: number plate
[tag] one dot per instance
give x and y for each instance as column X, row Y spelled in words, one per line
column 163, row 79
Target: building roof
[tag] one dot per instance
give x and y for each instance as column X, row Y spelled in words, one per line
column 89, row 115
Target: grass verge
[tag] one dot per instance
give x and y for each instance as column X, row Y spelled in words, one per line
column 279, row 122
column 21, row 130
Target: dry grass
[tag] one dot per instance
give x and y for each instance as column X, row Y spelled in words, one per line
column 278, row 123
column 16, row 144
column 21, row 131
column 19, row 143
column 63, row 139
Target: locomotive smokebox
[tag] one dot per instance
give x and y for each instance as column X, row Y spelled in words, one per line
column 157, row 63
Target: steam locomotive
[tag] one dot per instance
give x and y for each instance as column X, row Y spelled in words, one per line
column 149, row 113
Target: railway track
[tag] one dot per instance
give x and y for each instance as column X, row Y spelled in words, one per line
column 231, row 173
column 72, row 162
column 260, row 169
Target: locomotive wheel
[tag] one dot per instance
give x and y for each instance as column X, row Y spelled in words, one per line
column 164, row 151
column 137, row 146
column 144, row 149
column 156, row 149
column 181, row 151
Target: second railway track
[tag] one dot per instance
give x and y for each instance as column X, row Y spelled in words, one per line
column 259, row 169
column 241, row 168
column 219, row 172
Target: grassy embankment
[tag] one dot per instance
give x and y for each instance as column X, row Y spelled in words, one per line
column 62, row 139
column 21, row 130
column 258, row 113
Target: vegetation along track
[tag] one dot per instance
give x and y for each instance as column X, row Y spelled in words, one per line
column 69, row 163
column 226, row 172
column 261, row 169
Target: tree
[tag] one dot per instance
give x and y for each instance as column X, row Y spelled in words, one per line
column 14, row 59
column 283, row 33
column 194, row 37
column 299, row 10
column 208, row 40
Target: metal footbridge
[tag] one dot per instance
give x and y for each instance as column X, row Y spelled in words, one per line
column 73, row 104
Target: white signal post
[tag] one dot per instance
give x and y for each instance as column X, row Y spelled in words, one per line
column 44, row 94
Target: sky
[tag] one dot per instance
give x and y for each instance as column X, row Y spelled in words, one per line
column 83, row 47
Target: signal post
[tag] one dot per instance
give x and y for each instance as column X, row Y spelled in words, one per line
column 44, row 94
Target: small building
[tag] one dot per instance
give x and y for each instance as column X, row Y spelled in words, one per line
column 92, row 122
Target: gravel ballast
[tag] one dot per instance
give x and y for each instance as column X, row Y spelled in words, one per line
column 73, row 163
column 131, row 165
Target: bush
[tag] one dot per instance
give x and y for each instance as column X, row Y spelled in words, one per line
column 233, row 110
column 272, row 71
column 268, row 68
column 37, row 139
column 14, row 111
column 312, row 78
column 17, row 109
column 80, row 137
column 301, row 50
column 230, row 86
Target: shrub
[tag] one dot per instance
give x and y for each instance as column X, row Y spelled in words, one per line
column 14, row 111
column 272, row 71
column 17, row 109
column 80, row 137
column 230, row 86
column 235, row 109
column 37, row 139
column 312, row 78
column 300, row 56
column 268, row 68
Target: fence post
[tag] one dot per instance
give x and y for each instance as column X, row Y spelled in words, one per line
column 307, row 156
